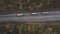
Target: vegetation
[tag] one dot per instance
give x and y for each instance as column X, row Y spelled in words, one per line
column 29, row 28
column 25, row 5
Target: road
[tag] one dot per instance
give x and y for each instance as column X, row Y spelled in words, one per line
column 50, row 16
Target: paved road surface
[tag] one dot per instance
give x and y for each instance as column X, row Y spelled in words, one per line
column 50, row 16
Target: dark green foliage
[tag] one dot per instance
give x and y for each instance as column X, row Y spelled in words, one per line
column 25, row 5
column 33, row 28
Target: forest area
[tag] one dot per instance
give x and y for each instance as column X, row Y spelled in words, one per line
column 30, row 28
column 26, row 5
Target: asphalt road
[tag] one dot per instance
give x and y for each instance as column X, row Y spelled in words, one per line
column 50, row 16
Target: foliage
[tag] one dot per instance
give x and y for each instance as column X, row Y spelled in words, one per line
column 25, row 5
column 25, row 28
